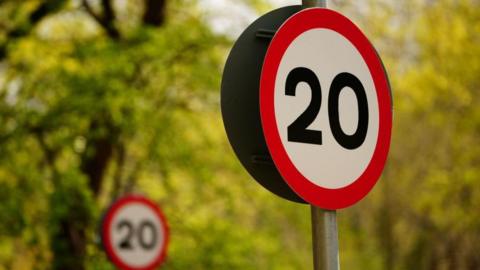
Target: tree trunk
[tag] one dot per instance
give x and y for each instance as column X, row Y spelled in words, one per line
column 154, row 14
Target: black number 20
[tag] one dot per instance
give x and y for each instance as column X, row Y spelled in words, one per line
column 298, row 130
column 126, row 243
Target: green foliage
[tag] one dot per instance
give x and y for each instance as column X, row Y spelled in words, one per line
column 71, row 211
column 427, row 201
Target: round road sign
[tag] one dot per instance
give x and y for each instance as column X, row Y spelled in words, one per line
column 135, row 234
column 326, row 108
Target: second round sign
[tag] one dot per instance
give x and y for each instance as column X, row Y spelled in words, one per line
column 326, row 108
column 135, row 234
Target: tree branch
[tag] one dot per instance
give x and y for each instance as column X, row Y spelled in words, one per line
column 131, row 180
column 50, row 155
column 106, row 20
column 118, row 174
column 91, row 12
column 98, row 153
column 154, row 14
column 44, row 9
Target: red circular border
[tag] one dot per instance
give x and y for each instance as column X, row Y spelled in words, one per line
column 297, row 24
column 107, row 222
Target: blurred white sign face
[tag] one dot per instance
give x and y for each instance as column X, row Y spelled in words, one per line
column 134, row 233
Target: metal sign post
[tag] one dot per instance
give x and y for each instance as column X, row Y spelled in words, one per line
column 314, row 3
column 324, row 239
column 324, row 222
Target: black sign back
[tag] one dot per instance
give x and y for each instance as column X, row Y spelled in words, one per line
column 240, row 101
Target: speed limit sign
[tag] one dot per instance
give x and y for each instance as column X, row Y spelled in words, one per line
column 135, row 234
column 326, row 108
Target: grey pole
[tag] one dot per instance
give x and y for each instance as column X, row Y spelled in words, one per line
column 324, row 239
column 324, row 222
column 314, row 3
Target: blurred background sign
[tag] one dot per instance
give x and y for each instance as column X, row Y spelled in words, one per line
column 135, row 233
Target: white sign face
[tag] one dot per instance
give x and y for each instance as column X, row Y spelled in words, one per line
column 329, row 164
column 325, row 107
column 135, row 234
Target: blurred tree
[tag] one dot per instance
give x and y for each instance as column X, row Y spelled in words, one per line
column 426, row 202
column 442, row 112
column 92, row 96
